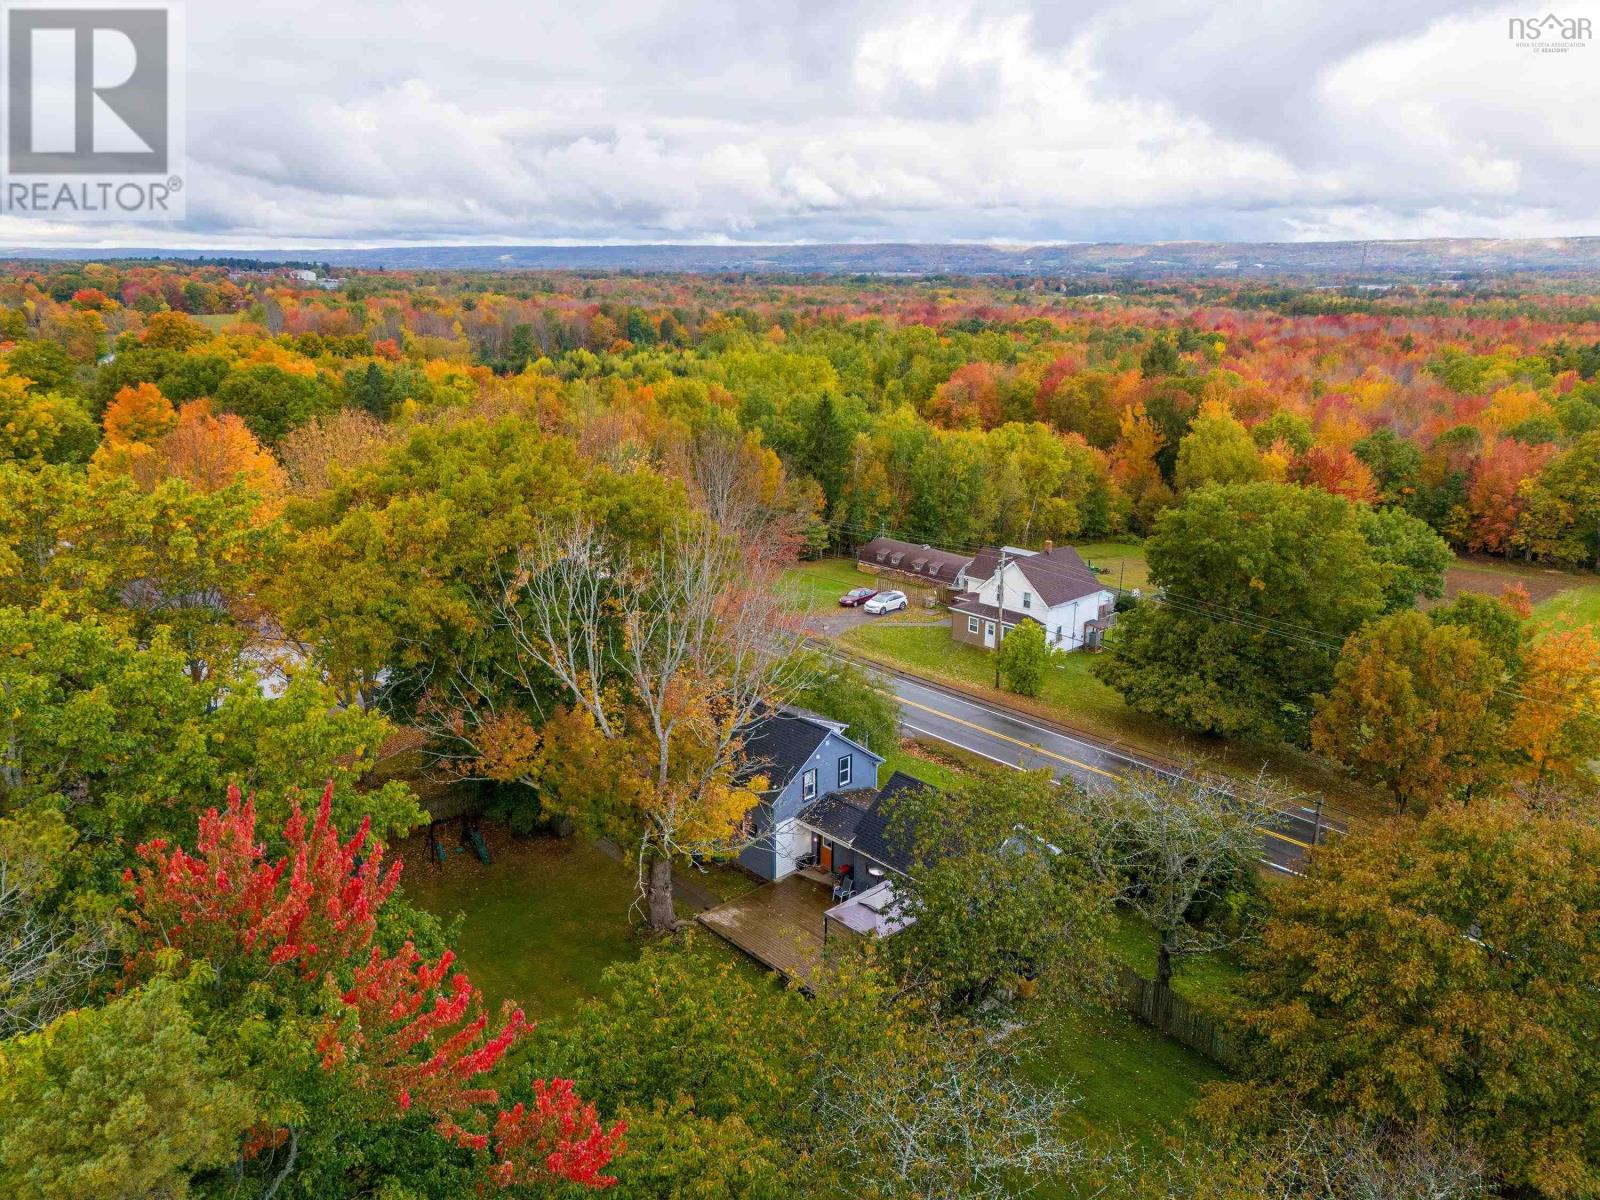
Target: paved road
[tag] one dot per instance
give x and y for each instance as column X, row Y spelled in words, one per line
column 971, row 725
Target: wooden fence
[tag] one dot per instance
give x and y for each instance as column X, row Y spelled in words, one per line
column 1179, row 1019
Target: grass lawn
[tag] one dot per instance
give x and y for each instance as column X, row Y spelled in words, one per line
column 539, row 923
column 217, row 322
column 1075, row 697
column 1211, row 979
column 1132, row 1082
column 545, row 918
column 1124, row 560
column 1568, row 609
column 816, row 587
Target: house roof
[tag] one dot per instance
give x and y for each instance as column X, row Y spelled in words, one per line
column 838, row 814
column 1058, row 575
column 865, row 814
column 940, row 566
column 779, row 744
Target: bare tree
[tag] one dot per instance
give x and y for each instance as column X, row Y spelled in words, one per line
column 46, row 960
column 1173, row 840
column 670, row 655
column 941, row 1111
column 1311, row 1157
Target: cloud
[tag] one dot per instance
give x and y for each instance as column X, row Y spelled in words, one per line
column 350, row 121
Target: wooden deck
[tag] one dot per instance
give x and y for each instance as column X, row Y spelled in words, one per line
column 779, row 925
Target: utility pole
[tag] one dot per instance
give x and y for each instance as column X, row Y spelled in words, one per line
column 1000, row 624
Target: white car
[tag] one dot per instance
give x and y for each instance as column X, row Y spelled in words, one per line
column 886, row 602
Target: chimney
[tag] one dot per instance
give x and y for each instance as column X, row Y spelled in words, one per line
column 1048, row 545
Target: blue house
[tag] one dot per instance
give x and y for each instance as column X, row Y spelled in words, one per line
column 853, row 840
column 804, row 757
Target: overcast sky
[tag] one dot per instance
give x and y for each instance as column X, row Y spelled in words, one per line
column 359, row 122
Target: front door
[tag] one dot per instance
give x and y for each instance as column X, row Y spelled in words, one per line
column 826, row 858
column 988, row 634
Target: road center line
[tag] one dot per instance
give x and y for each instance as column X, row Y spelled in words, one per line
column 1036, row 749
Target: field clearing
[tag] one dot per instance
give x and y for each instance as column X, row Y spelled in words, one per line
column 1561, row 599
column 1124, row 563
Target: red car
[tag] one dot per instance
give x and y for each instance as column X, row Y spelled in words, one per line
column 857, row 596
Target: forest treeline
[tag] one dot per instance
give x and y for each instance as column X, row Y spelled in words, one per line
column 951, row 413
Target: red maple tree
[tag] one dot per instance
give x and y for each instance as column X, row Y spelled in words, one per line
column 412, row 1034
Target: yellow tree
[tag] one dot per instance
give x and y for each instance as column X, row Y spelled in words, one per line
column 139, row 413
column 1134, row 465
column 660, row 662
column 1555, row 723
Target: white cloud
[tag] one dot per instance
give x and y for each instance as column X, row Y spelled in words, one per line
column 352, row 121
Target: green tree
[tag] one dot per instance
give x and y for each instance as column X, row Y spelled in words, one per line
column 1180, row 848
column 1441, row 973
column 1561, row 520
column 112, row 732
column 272, row 401
column 1258, row 586
column 1283, row 426
column 1411, row 558
column 826, row 452
column 1002, row 886
column 174, row 559
column 1412, row 708
column 1499, row 628
column 125, row 1100
column 1396, row 466
column 842, row 691
column 1025, row 656
column 44, row 427
column 1217, row 449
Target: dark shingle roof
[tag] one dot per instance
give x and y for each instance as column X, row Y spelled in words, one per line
column 779, row 744
column 837, row 814
column 862, row 819
column 969, row 605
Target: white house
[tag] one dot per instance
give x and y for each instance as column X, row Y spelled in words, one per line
column 1054, row 587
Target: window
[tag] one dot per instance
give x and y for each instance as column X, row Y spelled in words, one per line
column 1027, row 599
column 988, row 630
column 844, row 771
column 972, row 624
column 808, row 785
column 1058, row 633
column 1005, row 630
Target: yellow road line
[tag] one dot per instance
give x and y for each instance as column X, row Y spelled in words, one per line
column 1005, row 737
column 1037, row 749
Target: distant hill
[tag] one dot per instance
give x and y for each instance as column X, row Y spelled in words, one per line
column 1425, row 259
